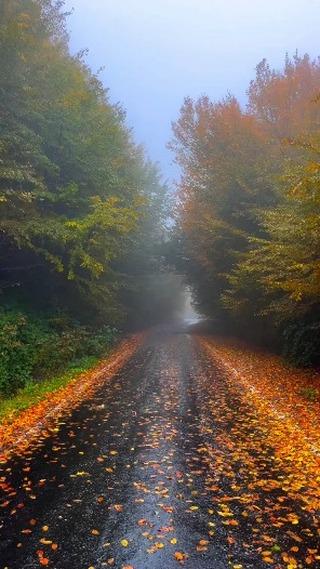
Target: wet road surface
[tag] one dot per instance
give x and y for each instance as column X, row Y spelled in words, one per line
column 147, row 475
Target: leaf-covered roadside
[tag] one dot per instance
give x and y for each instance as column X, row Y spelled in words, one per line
column 247, row 233
column 39, row 420
column 169, row 464
column 289, row 421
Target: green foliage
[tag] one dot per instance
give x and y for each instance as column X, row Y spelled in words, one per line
column 35, row 391
column 279, row 275
column 77, row 196
column 33, row 348
column 302, row 343
column 81, row 209
column 311, row 394
column 18, row 342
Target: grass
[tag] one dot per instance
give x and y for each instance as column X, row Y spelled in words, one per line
column 34, row 391
column 310, row 393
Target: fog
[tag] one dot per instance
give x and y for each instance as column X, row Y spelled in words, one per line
column 153, row 54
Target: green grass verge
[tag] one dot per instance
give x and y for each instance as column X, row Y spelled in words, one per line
column 34, row 391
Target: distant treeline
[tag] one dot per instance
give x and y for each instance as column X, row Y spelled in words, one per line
column 248, row 228
column 82, row 211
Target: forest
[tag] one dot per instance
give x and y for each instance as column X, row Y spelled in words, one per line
column 85, row 245
column 159, row 340
column 248, row 212
column 82, row 209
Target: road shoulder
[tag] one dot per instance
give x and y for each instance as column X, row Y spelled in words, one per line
column 40, row 419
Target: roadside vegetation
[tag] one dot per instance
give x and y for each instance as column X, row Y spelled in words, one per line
column 248, row 225
column 33, row 391
column 82, row 209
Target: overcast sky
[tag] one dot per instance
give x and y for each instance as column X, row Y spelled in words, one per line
column 155, row 52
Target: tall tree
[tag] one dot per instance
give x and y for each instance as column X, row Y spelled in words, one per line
column 73, row 185
column 248, row 242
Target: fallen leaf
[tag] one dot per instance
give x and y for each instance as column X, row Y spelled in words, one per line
column 180, row 556
column 95, row 532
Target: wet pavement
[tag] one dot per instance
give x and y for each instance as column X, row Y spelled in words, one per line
column 147, row 475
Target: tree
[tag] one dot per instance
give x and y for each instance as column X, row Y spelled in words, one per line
column 248, row 211
column 284, row 267
column 222, row 153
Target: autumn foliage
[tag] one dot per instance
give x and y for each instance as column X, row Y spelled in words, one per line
column 248, row 212
column 82, row 209
column 279, row 394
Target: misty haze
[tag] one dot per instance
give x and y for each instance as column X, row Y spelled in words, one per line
column 160, row 284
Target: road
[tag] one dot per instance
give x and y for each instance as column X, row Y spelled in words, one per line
column 148, row 474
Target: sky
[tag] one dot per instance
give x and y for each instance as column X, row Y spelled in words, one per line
column 156, row 52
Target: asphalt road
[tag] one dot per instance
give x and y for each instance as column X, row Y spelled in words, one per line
column 135, row 477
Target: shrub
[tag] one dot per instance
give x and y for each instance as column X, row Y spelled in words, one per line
column 19, row 339
column 33, row 348
column 302, row 343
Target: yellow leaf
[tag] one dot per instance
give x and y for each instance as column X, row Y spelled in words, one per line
column 159, row 545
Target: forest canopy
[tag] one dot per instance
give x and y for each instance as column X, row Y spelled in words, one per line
column 82, row 209
column 248, row 224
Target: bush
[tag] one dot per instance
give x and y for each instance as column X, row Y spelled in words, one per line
column 96, row 343
column 302, row 343
column 69, row 345
column 17, row 347
column 33, row 348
